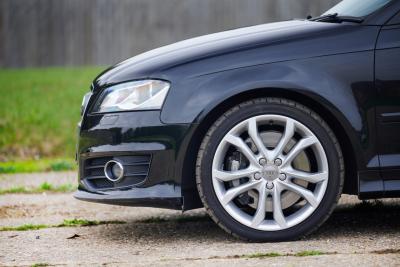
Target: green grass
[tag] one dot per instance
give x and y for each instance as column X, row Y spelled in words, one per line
column 14, row 190
column 308, row 253
column 263, row 255
column 24, row 227
column 305, row 253
column 40, row 265
column 180, row 219
column 41, row 165
column 83, row 222
column 65, row 223
column 39, row 110
column 44, row 187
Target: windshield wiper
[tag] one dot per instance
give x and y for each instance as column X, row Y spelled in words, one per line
column 334, row 17
column 327, row 16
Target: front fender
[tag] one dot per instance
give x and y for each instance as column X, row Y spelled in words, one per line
column 343, row 84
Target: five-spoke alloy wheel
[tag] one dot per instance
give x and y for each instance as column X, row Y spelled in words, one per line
column 269, row 169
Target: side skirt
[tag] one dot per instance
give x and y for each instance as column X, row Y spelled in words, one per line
column 370, row 185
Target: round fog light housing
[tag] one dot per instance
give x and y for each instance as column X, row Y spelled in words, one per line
column 114, row 170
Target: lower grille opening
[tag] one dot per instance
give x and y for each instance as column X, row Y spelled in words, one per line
column 136, row 171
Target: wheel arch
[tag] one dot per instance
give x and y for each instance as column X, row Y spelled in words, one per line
column 313, row 102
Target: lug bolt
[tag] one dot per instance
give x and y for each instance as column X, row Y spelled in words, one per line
column 270, row 185
column 262, row 161
column 257, row 176
column 278, row 162
column 282, row 177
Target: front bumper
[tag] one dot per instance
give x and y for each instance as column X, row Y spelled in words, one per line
column 161, row 196
column 149, row 149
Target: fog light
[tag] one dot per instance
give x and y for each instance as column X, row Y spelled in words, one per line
column 114, row 170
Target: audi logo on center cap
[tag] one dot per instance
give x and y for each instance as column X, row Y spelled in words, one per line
column 269, row 172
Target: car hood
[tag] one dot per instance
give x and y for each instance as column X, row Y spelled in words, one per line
column 213, row 53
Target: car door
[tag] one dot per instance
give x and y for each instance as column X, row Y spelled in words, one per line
column 387, row 80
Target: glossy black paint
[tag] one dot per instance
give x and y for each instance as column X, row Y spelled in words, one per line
column 387, row 65
column 160, row 196
column 349, row 73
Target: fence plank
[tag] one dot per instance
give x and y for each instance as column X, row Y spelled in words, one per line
column 102, row 32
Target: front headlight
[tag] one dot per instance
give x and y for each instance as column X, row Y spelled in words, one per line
column 85, row 102
column 137, row 95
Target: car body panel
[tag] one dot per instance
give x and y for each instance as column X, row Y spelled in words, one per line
column 147, row 135
column 213, row 53
column 160, row 196
column 387, row 69
column 328, row 65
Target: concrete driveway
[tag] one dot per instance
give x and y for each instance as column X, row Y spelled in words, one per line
column 357, row 234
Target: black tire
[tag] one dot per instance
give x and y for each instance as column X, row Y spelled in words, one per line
column 269, row 106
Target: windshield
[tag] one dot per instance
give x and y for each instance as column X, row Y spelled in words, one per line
column 357, row 8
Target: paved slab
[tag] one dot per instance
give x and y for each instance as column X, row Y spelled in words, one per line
column 355, row 235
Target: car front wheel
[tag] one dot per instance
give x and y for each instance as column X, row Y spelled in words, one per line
column 269, row 169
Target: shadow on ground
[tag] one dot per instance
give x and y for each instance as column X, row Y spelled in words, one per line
column 366, row 218
column 370, row 219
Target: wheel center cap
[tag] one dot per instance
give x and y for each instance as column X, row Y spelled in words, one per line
column 270, row 172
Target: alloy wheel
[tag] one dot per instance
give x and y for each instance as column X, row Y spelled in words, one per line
column 253, row 191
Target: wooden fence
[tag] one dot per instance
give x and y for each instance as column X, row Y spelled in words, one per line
column 102, row 32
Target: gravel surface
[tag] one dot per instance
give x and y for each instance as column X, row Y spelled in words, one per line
column 355, row 235
column 32, row 180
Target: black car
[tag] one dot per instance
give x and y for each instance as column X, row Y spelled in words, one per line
column 264, row 126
